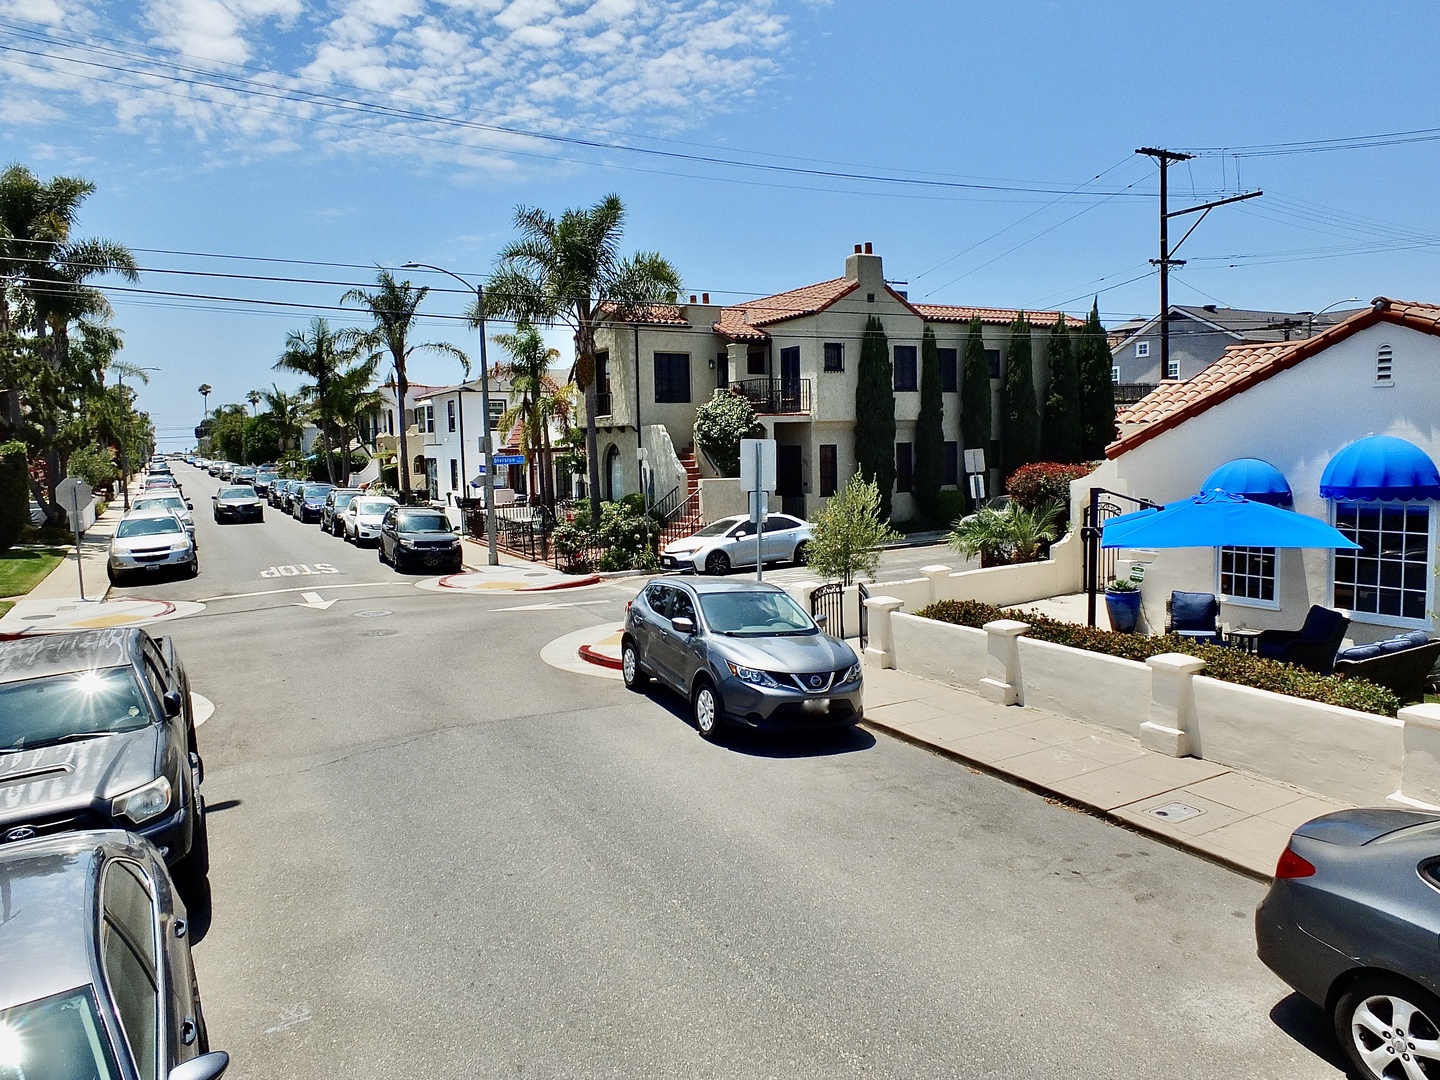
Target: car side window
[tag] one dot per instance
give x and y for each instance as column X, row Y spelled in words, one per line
column 780, row 521
column 128, row 949
column 658, row 598
column 681, row 606
column 746, row 528
column 155, row 678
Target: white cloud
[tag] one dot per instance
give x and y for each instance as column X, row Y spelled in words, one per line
column 558, row 65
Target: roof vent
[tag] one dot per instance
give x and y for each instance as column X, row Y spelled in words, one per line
column 1209, row 307
column 705, row 298
column 868, row 251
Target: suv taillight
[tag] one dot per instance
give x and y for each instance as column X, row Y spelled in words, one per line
column 1293, row 866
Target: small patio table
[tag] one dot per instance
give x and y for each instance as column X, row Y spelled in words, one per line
column 1245, row 639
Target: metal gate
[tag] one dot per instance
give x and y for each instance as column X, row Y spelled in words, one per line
column 863, row 594
column 1100, row 562
column 829, row 600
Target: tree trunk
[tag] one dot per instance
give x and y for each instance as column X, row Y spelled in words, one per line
column 547, row 467
column 402, row 473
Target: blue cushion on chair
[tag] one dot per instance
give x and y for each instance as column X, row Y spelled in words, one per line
column 1419, row 637
column 1359, row 652
column 1193, row 610
column 1395, row 644
column 1320, row 622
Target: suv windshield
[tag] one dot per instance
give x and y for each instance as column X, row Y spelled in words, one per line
column 237, row 493
column 421, row 522
column 60, row 707
column 156, row 526
column 372, row 506
column 56, row 1036
column 342, row 499
column 316, row 491
column 755, row 614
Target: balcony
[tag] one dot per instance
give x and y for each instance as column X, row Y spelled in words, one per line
column 775, row 396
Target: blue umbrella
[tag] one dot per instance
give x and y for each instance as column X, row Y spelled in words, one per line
column 1217, row 518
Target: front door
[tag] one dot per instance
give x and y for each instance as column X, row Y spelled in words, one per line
column 789, row 480
column 790, row 379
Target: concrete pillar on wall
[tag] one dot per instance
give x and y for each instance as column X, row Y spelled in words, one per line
column 1172, row 728
column 1002, row 683
column 1420, row 775
column 881, row 647
column 938, row 575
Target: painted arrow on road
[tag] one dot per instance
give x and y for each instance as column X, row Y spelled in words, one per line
column 313, row 601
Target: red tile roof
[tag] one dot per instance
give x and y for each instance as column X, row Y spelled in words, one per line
column 1243, row 366
column 743, row 322
column 993, row 316
column 650, row 314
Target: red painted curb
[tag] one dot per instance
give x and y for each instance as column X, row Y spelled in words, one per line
column 591, row 580
column 590, row 656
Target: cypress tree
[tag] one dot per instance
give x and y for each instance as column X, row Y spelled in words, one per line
column 1061, row 433
column 14, row 492
column 875, row 413
column 975, row 396
column 929, row 432
column 1020, row 420
column 1097, row 389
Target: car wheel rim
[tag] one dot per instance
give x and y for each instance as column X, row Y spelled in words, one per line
column 628, row 663
column 1395, row 1039
column 705, row 711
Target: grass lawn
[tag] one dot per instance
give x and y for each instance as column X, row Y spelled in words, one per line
column 21, row 569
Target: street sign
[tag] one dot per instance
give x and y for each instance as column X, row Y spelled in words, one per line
column 977, row 486
column 757, row 464
column 975, row 460
column 75, row 496
column 759, row 506
column 509, row 459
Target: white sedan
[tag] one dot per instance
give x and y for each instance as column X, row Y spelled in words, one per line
column 731, row 542
column 363, row 516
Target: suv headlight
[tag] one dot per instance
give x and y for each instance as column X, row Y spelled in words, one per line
column 853, row 675
column 143, row 803
column 754, row 676
column 181, row 545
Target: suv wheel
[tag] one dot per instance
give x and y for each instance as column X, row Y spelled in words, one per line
column 717, row 562
column 706, row 709
column 636, row 677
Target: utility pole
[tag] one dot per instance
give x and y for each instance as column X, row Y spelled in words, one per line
column 1163, row 158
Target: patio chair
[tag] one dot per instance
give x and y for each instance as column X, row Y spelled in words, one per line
column 1402, row 664
column 1194, row 615
column 1313, row 646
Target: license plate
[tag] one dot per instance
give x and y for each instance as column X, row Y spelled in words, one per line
column 816, row 705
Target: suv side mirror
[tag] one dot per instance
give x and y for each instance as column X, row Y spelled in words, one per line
column 173, row 703
column 205, row 1067
column 683, row 625
column 189, row 505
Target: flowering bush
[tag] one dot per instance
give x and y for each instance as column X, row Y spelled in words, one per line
column 1044, row 482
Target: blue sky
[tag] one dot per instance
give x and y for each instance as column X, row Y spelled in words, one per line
column 255, row 128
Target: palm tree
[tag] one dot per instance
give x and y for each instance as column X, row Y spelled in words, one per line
column 1012, row 535
column 253, row 397
column 393, row 306
column 541, row 399
column 287, row 412
column 570, row 271
column 352, row 398
column 320, row 354
column 205, row 389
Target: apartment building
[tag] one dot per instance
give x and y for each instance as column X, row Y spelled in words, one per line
column 794, row 356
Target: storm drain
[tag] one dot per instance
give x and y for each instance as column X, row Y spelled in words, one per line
column 1175, row 811
column 386, row 632
column 373, row 613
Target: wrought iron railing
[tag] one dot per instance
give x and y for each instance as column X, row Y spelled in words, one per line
column 775, row 396
column 1130, row 393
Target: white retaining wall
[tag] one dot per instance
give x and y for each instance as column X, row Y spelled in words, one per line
column 1108, row 691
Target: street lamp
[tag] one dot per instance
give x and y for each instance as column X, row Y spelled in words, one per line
column 124, row 447
column 1310, row 325
column 486, row 441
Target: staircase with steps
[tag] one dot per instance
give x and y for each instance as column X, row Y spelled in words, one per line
column 685, row 518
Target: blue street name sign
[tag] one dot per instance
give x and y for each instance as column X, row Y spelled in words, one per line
column 509, row 459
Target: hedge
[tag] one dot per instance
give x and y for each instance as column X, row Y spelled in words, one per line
column 1044, row 482
column 1221, row 661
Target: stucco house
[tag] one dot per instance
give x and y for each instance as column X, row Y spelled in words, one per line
column 794, row 356
column 1309, row 409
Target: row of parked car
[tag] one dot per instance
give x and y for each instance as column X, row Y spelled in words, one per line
column 157, row 534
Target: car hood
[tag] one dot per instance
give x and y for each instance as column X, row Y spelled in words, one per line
column 145, row 543
column 805, row 652
column 53, row 779
column 686, row 547
column 248, row 500
column 415, row 537
column 369, row 519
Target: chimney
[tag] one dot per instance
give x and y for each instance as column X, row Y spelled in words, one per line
column 692, row 298
column 857, row 249
column 865, row 267
column 705, row 298
column 867, row 248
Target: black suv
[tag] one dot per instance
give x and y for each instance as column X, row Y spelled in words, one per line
column 97, row 732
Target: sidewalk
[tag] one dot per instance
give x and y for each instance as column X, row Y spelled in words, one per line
column 63, row 583
column 1235, row 818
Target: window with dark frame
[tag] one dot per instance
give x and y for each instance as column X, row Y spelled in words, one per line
column 829, row 470
column 755, row 362
column 1390, row 573
column 949, row 370
column 722, row 370
column 907, row 376
column 454, row 475
column 1247, row 573
column 834, row 356
column 450, row 415
column 950, row 467
column 604, row 404
column 672, row 378
column 992, row 362
column 904, row 466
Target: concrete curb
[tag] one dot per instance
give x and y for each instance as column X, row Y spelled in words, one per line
column 590, row 656
column 579, row 583
column 991, row 769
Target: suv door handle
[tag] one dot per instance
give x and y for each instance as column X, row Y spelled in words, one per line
column 188, row 1030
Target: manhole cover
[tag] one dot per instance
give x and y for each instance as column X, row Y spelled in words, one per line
column 535, row 573
column 373, row 613
column 386, row 632
column 1175, row 811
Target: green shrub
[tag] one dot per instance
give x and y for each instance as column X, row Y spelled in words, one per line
column 1221, row 662
column 624, row 539
column 14, row 493
column 720, row 424
column 95, row 465
column 952, row 508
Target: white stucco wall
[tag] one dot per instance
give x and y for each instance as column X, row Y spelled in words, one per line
column 956, row 655
column 1297, row 420
column 1109, row 691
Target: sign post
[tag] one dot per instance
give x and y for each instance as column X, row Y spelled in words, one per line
column 975, row 474
column 74, row 495
column 757, row 477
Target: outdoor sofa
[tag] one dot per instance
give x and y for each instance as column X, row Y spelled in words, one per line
column 1402, row 663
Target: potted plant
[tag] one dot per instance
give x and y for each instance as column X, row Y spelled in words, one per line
column 1122, row 602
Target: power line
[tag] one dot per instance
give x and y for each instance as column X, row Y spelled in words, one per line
column 1320, row 146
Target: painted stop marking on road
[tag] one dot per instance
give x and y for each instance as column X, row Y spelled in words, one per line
column 300, row 570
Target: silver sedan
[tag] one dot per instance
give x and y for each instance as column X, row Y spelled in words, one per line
column 732, row 541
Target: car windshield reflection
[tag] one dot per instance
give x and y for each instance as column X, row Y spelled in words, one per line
column 39, row 1037
column 61, row 707
column 755, row 614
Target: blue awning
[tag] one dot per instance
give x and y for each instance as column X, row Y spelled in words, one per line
column 1219, row 519
column 1257, row 480
column 1381, row 467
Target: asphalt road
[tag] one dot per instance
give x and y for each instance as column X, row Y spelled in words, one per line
column 434, row 856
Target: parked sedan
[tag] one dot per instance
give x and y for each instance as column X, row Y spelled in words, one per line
column 363, row 516
column 332, row 515
column 244, row 474
column 1352, row 921
column 173, row 501
column 276, row 495
column 148, row 542
column 97, row 731
column 413, row 537
column 308, row 503
column 731, row 542
column 741, row 652
column 237, row 504
column 96, row 976
column 263, row 479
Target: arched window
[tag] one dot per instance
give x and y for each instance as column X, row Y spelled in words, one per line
column 614, row 475
column 1383, row 360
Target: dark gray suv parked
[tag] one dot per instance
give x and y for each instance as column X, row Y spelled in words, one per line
column 97, row 732
column 96, row 978
column 741, row 652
